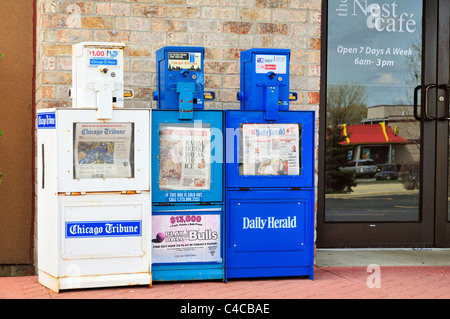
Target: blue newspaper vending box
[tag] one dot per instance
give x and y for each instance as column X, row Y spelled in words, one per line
column 187, row 171
column 269, row 174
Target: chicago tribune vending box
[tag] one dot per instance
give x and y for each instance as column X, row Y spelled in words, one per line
column 187, row 171
column 94, row 200
column 269, row 174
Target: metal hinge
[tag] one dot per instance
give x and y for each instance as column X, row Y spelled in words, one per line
column 130, row 192
column 205, row 203
column 75, row 193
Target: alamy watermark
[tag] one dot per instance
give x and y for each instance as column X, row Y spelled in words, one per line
column 374, row 279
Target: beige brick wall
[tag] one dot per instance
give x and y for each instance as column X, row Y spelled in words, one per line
column 223, row 27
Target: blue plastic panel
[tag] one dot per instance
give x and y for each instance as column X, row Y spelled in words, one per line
column 235, row 177
column 206, row 119
column 179, row 65
column 260, row 225
column 264, row 79
column 269, row 232
column 198, row 270
column 182, row 235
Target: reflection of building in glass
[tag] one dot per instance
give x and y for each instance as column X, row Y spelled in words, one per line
column 389, row 134
column 401, row 120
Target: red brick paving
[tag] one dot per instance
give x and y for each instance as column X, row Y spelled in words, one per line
column 406, row 282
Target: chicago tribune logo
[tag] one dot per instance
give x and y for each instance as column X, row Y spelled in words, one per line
column 76, row 229
column 380, row 17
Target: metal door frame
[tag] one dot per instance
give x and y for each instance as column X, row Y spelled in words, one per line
column 430, row 230
column 442, row 226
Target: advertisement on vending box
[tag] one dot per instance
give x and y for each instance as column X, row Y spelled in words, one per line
column 271, row 63
column 103, row 150
column 184, row 158
column 186, row 238
column 185, row 60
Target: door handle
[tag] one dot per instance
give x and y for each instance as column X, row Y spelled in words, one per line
column 425, row 107
column 427, row 87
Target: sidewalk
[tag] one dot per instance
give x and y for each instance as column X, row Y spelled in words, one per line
column 394, row 282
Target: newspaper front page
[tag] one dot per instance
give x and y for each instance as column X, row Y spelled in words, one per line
column 184, row 158
column 271, row 149
column 103, row 150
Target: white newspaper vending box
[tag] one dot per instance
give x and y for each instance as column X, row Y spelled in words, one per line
column 94, row 200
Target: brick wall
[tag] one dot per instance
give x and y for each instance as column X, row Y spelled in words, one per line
column 223, row 27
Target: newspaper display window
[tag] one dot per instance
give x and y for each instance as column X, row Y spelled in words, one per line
column 103, row 150
column 270, row 149
column 184, row 157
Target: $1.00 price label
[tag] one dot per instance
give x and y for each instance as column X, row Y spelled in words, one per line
column 185, row 219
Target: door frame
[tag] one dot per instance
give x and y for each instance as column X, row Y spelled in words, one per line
column 396, row 234
column 442, row 226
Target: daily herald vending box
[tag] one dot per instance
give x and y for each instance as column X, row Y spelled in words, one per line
column 269, row 174
column 94, row 200
column 187, row 171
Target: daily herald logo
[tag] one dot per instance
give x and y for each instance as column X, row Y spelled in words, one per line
column 269, row 223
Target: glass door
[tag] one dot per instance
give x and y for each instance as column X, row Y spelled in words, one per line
column 383, row 182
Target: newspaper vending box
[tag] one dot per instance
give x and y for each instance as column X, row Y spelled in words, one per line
column 94, row 201
column 187, row 171
column 269, row 174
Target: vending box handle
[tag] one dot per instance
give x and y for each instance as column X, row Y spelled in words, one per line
column 43, row 165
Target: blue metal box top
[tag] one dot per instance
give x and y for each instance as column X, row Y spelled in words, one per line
column 264, row 83
column 180, row 79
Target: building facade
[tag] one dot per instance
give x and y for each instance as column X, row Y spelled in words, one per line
column 223, row 27
column 352, row 61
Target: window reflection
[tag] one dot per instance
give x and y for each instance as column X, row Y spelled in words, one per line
column 374, row 63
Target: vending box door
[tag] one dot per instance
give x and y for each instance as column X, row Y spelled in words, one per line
column 269, row 232
column 101, row 155
column 188, row 162
column 269, row 154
